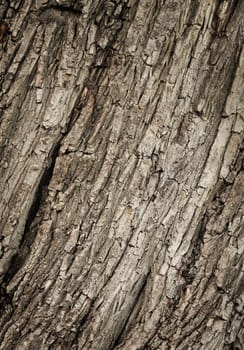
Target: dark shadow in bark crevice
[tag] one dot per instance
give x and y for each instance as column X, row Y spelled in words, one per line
column 125, row 329
column 29, row 235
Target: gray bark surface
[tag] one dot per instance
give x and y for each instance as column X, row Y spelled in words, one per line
column 121, row 174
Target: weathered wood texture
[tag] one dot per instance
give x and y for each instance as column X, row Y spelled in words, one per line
column 121, row 174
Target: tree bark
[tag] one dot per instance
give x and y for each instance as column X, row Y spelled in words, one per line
column 121, row 174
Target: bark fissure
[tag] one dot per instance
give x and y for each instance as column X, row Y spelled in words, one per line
column 28, row 237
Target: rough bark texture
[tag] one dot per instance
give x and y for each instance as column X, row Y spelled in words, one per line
column 121, row 174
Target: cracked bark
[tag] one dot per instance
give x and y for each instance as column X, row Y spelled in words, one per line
column 121, row 175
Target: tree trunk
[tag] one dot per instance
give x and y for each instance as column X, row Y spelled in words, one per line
column 121, row 174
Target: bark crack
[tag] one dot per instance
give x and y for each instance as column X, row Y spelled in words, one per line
column 28, row 237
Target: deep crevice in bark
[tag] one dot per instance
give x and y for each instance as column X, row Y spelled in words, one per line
column 189, row 270
column 123, row 332
column 29, row 235
column 70, row 10
column 6, row 306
